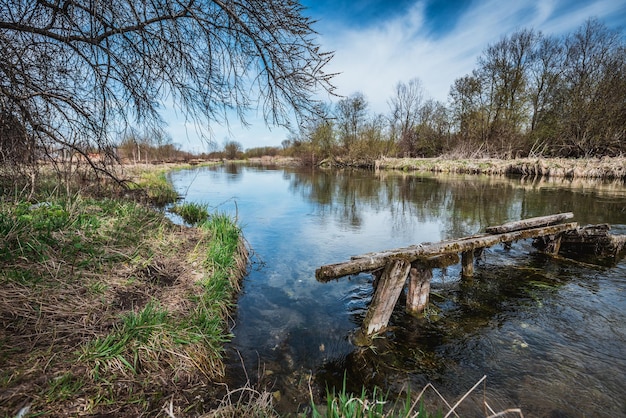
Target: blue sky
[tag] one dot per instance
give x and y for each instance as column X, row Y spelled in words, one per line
column 378, row 43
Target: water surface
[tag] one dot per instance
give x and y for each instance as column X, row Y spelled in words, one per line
column 549, row 334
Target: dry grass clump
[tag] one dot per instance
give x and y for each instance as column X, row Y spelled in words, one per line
column 107, row 307
column 605, row 168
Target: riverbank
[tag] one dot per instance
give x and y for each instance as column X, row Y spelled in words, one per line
column 108, row 308
column 606, row 168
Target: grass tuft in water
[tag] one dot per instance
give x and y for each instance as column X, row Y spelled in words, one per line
column 345, row 404
column 192, row 213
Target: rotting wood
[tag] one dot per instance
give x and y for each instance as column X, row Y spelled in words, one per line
column 467, row 263
column 387, row 293
column 549, row 244
column 375, row 261
column 593, row 240
column 418, row 289
column 437, row 261
column 529, row 223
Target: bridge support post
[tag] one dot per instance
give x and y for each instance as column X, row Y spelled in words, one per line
column 418, row 290
column 467, row 263
column 387, row 292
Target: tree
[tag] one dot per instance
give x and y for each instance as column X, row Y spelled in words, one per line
column 469, row 112
column 405, row 107
column 232, row 150
column 544, row 91
column 83, row 69
column 351, row 114
column 593, row 82
column 502, row 70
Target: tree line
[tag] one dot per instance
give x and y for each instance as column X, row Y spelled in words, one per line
column 530, row 94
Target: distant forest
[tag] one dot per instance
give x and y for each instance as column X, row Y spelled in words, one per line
column 530, row 94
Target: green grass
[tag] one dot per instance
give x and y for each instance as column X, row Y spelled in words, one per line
column 64, row 387
column 156, row 186
column 192, row 213
column 344, row 404
column 68, row 234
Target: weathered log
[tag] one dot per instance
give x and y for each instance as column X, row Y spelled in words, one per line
column 375, row 261
column 529, row 223
column 467, row 263
column 437, row 261
column 386, row 295
column 592, row 240
column 418, row 291
column 549, row 244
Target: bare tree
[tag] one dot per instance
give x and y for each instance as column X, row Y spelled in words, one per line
column 593, row 76
column 351, row 114
column 90, row 69
column 232, row 150
column 405, row 107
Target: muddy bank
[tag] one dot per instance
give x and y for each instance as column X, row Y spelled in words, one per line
column 606, row 168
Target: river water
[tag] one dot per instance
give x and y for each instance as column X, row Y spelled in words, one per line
column 550, row 335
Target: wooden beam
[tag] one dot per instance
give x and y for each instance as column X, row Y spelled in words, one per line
column 467, row 263
column 375, row 261
column 529, row 223
column 418, row 291
column 390, row 286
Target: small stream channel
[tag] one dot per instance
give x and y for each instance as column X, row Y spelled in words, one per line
column 549, row 335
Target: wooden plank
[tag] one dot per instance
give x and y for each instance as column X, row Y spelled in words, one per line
column 375, row 261
column 390, row 286
column 529, row 223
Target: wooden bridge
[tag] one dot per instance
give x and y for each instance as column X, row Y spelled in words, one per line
column 414, row 264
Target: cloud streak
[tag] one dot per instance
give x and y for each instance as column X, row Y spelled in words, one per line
column 374, row 59
column 373, row 54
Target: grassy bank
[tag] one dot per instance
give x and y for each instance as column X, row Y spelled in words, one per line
column 106, row 307
column 607, row 168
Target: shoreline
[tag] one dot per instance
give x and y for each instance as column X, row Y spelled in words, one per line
column 605, row 168
column 591, row 168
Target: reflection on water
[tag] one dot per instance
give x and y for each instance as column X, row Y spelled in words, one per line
column 550, row 335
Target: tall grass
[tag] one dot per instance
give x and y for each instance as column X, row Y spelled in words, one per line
column 156, row 186
column 375, row 405
column 107, row 294
column 191, row 212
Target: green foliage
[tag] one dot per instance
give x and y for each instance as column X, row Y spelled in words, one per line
column 64, row 387
column 258, row 152
column 344, row 404
column 125, row 344
column 192, row 213
column 36, row 231
column 77, row 231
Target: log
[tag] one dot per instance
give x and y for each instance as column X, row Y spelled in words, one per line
column 418, row 291
column 467, row 263
column 593, row 240
column 390, row 286
column 529, row 223
column 549, row 244
column 375, row 261
column 436, row 261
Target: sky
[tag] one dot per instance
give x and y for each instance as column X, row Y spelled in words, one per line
column 378, row 43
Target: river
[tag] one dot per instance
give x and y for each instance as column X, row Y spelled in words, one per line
column 550, row 335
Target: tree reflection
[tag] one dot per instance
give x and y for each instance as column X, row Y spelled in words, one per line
column 460, row 204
